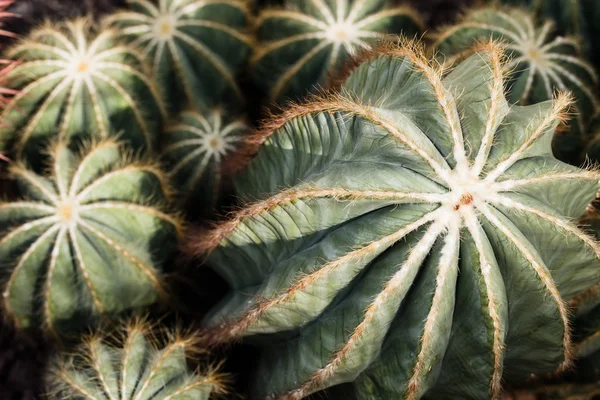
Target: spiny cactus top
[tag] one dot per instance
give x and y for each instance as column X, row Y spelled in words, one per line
column 136, row 368
column 308, row 40
column 197, row 47
column 541, row 63
column 86, row 241
column 194, row 150
column 411, row 230
column 75, row 81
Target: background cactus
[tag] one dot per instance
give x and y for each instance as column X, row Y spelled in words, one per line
column 197, row 47
column 82, row 244
column 541, row 63
column 138, row 367
column 304, row 42
column 194, row 151
column 369, row 205
column 76, row 82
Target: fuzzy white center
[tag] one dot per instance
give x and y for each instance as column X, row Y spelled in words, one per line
column 164, row 27
column 68, row 211
column 467, row 190
column 342, row 32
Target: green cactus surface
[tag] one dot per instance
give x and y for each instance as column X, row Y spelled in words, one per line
column 305, row 42
column 541, row 63
column 194, row 150
column 86, row 240
column 411, row 235
column 76, row 82
column 197, row 47
column 136, row 367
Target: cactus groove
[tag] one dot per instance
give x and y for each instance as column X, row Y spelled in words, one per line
column 416, row 227
column 81, row 245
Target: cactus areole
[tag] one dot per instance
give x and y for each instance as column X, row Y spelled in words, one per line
column 412, row 235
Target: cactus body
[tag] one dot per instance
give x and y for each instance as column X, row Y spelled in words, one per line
column 194, row 151
column 82, row 244
column 407, row 232
column 76, row 82
column 306, row 41
column 136, row 368
column 197, row 47
column 541, row 63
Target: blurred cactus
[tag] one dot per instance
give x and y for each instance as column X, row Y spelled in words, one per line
column 197, row 47
column 194, row 150
column 86, row 241
column 541, row 63
column 136, row 367
column 404, row 234
column 76, row 82
column 304, row 42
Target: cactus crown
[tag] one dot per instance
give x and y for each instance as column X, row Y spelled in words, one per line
column 307, row 40
column 383, row 193
column 81, row 244
column 196, row 47
column 541, row 62
column 74, row 81
column 195, row 148
column 133, row 366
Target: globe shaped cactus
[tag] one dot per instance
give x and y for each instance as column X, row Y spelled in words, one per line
column 197, row 47
column 304, row 42
column 81, row 245
column 403, row 234
column 195, row 149
column 74, row 81
column 541, row 63
column 137, row 367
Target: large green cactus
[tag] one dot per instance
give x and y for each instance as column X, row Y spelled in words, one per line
column 137, row 367
column 77, row 82
column 197, row 47
column 194, row 151
column 407, row 233
column 541, row 63
column 306, row 41
column 86, row 241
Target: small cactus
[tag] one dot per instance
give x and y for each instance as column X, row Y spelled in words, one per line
column 541, row 63
column 194, row 151
column 86, row 241
column 74, row 81
column 306, row 41
column 403, row 234
column 197, row 47
column 136, row 367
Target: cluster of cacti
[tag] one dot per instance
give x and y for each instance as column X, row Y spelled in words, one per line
column 541, row 63
column 137, row 367
column 408, row 228
column 304, row 42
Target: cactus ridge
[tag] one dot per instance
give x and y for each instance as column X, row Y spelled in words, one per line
column 66, row 76
column 194, row 40
column 321, row 35
column 196, row 147
column 135, row 365
column 479, row 186
column 56, row 241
